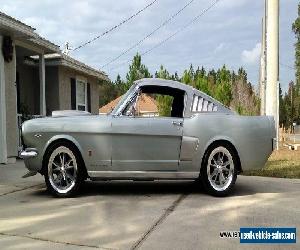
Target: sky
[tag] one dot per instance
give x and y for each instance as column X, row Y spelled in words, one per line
column 229, row 33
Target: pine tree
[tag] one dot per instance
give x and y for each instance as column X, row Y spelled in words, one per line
column 282, row 111
column 296, row 29
column 164, row 102
column 212, row 77
column 118, row 80
column 162, row 73
column 223, row 91
column 176, row 77
column 108, row 91
column 187, row 78
column 137, row 71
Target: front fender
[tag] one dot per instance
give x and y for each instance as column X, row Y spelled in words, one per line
column 36, row 163
column 62, row 137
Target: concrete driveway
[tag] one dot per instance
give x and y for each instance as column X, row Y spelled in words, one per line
column 145, row 215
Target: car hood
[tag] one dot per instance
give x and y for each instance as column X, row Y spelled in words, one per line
column 63, row 113
column 64, row 123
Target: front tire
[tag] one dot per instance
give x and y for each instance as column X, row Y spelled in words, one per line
column 62, row 170
column 219, row 170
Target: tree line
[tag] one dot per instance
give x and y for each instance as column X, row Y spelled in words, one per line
column 229, row 87
column 289, row 102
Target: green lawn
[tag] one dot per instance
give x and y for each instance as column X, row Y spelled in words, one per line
column 283, row 163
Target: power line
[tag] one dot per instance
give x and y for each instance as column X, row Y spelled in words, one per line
column 175, row 33
column 182, row 28
column 150, row 34
column 116, row 26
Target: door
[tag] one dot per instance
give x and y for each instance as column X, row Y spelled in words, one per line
column 146, row 143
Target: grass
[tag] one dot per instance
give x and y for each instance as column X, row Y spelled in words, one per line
column 283, row 163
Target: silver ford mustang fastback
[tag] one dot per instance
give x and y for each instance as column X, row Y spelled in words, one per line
column 200, row 139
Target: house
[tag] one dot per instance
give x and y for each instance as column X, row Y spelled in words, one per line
column 147, row 106
column 70, row 84
column 37, row 78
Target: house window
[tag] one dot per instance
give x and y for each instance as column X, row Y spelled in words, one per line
column 81, row 95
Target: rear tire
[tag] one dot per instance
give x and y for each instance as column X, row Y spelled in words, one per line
column 219, row 170
column 63, row 169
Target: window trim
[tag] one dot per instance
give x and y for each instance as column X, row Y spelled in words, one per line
column 83, row 80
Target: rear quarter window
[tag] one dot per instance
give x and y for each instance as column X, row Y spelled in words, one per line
column 200, row 104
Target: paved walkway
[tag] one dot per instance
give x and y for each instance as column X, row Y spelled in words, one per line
column 145, row 215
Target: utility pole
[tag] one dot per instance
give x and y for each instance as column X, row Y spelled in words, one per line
column 262, row 76
column 292, row 109
column 272, row 62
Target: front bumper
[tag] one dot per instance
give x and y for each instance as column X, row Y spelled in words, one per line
column 28, row 153
column 33, row 159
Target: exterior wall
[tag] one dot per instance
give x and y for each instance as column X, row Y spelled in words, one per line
column 94, row 95
column 11, row 107
column 52, row 89
column 64, row 86
column 65, row 76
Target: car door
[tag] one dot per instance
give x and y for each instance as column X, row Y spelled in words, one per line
column 146, row 143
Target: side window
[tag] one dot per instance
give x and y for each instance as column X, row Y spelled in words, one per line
column 200, row 104
column 81, row 95
column 164, row 105
column 150, row 105
column 156, row 101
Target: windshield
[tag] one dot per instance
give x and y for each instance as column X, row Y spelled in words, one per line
column 124, row 97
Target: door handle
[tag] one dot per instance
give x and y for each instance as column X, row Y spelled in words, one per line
column 176, row 123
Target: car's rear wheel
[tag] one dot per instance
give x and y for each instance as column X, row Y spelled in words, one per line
column 219, row 170
column 63, row 175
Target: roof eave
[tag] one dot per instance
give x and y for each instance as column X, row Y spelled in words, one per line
column 47, row 46
column 9, row 23
column 26, row 33
column 77, row 67
column 86, row 70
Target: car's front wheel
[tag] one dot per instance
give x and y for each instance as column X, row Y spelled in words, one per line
column 62, row 170
column 219, row 170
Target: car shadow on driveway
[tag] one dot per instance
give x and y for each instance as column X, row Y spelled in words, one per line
column 150, row 188
column 140, row 188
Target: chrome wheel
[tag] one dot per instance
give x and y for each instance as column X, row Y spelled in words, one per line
column 220, row 169
column 62, row 170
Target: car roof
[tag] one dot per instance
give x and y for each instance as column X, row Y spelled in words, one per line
column 163, row 82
